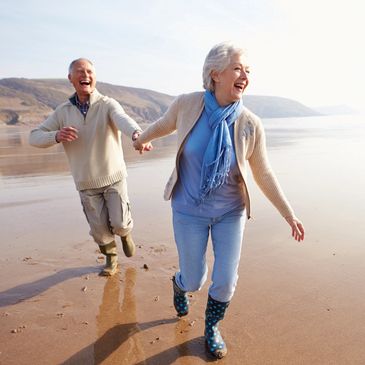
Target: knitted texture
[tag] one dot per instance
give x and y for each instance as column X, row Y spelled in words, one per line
column 96, row 156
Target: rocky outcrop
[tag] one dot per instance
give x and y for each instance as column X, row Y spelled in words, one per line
column 9, row 117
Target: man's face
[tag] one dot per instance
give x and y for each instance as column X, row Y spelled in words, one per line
column 83, row 78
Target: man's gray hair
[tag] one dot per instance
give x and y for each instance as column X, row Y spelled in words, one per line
column 218, row 58
column 77, row 60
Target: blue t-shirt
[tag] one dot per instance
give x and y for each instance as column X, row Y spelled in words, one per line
column 186, row 192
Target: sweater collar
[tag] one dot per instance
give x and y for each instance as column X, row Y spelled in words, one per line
column 94, row 97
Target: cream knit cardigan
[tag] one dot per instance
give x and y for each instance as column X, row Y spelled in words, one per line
column 96, row 157
column 249, row 140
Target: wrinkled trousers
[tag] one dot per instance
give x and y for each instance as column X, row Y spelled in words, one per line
column 107, row 211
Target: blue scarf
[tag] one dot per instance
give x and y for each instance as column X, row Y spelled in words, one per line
column 217, row 157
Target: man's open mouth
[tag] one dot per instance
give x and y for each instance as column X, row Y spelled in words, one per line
column 84, row 82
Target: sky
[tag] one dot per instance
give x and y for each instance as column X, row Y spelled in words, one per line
column 308, row 50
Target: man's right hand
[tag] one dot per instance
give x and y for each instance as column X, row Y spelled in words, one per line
column 66, row 134
column 141, row 147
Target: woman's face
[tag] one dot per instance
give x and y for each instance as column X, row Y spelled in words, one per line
column 232, row 81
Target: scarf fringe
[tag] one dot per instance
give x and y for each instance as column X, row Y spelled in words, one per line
column 215, row 179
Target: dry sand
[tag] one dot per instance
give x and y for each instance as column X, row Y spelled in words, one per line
column 294, row 304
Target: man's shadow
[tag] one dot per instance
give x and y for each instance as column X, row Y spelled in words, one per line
column 29, row 290
column 117, row 326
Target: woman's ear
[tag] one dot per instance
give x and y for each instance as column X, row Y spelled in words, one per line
column 215, row 76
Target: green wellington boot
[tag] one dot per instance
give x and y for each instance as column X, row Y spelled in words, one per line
column 129, row 247
column 111, row 255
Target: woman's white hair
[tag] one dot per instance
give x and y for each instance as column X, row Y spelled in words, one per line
column 218, row 58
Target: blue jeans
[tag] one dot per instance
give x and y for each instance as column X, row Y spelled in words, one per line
column 191, row 237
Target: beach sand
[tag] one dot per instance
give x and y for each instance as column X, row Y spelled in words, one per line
column 294, row 303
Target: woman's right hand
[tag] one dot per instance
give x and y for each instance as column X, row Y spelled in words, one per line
column 296, row 227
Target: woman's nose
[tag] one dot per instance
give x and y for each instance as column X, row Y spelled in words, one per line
column 244, row 75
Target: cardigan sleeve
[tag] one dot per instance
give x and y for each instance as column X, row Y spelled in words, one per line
column 163, row 126
column 264, row 175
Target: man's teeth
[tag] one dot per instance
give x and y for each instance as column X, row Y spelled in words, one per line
column 85, row 82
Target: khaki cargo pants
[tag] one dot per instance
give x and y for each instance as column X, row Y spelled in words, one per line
column 107, row 211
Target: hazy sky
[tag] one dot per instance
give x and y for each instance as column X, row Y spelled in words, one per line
column 308, row 50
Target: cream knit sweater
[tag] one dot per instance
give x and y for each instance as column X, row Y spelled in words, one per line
column 96, row 157
column 249, row 140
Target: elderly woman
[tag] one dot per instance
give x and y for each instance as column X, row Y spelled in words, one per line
column 217, row 139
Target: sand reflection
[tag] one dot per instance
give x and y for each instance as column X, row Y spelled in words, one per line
column 117, row 323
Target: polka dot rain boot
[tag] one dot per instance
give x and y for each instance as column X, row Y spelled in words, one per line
column 213, row 314
column 181, row 300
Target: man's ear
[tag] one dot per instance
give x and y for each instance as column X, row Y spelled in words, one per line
column 69, row 77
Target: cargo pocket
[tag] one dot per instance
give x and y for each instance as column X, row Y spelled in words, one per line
column 127, row 221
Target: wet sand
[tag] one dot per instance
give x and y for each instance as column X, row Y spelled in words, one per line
column 294, row 303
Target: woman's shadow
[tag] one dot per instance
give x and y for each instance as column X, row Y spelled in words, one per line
column 117, row 327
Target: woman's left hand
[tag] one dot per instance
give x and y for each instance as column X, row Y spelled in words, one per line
column 297, row 228
column 141, row 147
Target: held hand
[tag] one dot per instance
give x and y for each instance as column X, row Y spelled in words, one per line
column 66, row 134
column 141, row 147
column 297, row 228
column 136, row 144
column 147, row 146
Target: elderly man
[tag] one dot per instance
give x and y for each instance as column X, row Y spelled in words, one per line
column 89, row 125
